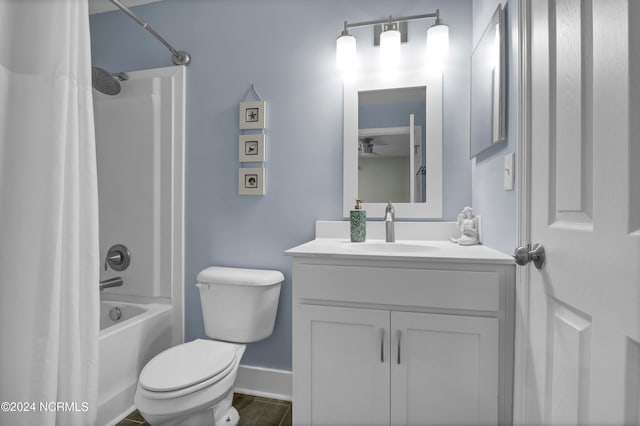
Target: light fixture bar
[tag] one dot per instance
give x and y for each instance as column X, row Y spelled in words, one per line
column 436, row 15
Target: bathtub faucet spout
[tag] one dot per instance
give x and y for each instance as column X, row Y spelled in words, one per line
column 111, row 282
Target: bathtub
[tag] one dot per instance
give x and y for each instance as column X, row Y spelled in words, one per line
column 126, row 345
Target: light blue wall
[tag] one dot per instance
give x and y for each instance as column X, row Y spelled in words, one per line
column 498, row 207
column 391, row 114
column 287, row 49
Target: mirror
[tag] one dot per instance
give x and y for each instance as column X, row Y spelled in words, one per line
column 390, row 157
column 393, row 145
column 488, row 121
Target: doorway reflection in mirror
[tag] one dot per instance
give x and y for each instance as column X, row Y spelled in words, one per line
column 391, row 145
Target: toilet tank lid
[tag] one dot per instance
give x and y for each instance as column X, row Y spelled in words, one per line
column 239, row 276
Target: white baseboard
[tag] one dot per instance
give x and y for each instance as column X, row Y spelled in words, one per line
column 264, row 382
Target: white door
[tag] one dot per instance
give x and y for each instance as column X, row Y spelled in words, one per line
column 444, row 369
column 418, row 169
column 341, row 366
column 412, row 167
column 583, row 361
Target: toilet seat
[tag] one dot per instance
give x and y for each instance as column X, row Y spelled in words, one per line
column 187, row 368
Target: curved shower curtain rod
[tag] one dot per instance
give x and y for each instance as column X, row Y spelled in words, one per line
column 178, row 57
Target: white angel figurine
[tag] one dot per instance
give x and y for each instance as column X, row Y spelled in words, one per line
column 469, row 226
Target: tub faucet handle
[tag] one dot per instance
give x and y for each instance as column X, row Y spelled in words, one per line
column 118, row 258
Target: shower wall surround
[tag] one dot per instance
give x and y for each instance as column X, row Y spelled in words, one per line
column 238, row 43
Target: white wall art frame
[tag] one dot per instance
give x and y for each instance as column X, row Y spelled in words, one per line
column 253, row 115
column 251, row 180
column 251, row 148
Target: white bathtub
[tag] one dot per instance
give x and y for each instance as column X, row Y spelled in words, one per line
column 126, row 345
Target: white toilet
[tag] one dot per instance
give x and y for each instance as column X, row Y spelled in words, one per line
column 192, row 383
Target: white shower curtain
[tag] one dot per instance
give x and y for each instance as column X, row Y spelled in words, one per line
column 49, row 258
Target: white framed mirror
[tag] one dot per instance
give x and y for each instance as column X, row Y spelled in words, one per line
column 383, row 161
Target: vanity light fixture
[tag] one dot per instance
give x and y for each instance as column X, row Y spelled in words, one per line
column 437, row 42
column 345, row 50
column 390, row 39
column 390, row 42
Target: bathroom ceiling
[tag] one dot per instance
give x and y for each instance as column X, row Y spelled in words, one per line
column 98, row 6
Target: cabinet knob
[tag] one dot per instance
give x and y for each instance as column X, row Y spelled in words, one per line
column 398, row 334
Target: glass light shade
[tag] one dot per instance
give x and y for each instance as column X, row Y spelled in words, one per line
column 345, row 52
column 437, row 42
column 390, row 45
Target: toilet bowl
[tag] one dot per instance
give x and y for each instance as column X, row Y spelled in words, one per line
column 192, row 383
column 180, row 382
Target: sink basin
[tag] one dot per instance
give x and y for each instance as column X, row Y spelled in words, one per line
column 389, row 248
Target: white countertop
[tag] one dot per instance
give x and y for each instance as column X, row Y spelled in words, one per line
column 412, row 250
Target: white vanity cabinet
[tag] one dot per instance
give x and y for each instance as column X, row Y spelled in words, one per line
column 341, row 373
column 402, row 341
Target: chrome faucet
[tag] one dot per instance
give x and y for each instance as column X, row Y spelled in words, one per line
column 111, row 282
column 389, row 216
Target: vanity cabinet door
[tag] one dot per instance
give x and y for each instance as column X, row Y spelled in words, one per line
column 444, row 369
column 340, row 366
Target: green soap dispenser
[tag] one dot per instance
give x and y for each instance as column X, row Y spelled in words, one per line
column 358, row 222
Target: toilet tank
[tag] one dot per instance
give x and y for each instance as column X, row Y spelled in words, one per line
column 239, row 305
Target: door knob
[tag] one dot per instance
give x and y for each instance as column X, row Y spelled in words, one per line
column 526, row 254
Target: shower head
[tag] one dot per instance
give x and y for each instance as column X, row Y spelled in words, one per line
column 105, row 82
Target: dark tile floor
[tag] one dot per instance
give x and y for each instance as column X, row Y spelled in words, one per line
column 254, row 411
column 257, row 411
column 133, row 419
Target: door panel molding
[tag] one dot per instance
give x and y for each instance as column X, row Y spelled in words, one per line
column 632, row 386
column 571, row 139
column 570, row 356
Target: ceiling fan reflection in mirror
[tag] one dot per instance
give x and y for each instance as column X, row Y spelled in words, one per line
column 365, row 147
